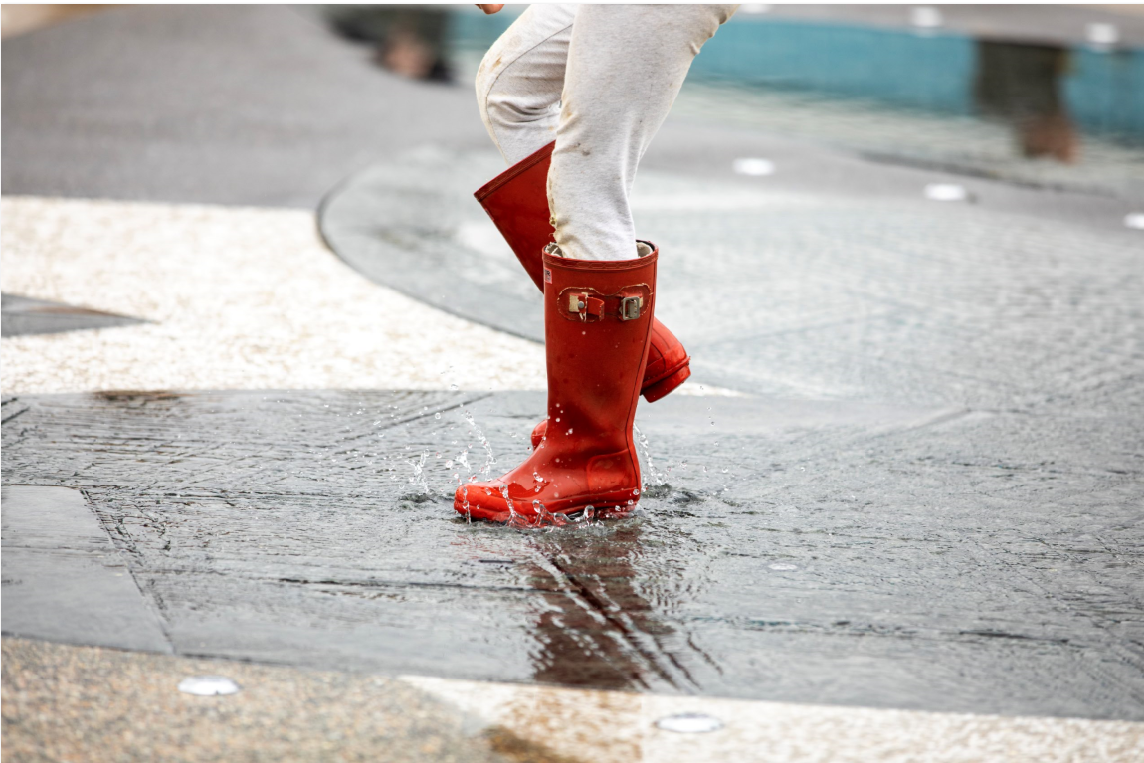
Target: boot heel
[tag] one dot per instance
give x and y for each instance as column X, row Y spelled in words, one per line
column 667, row 385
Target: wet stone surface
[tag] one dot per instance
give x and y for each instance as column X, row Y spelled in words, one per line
column 794, row 294
column 852, row 553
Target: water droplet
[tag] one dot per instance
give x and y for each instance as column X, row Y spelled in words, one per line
column 558, row 418
column 569, row 431
column 437, row 415
column 636, row 491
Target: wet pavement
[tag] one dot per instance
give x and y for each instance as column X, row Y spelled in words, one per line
column 838, row 552
column 881, row 296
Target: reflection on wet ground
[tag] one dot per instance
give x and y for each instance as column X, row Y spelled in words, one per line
column 843, row 553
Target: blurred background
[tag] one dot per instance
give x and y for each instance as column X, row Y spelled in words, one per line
column 1040, row 94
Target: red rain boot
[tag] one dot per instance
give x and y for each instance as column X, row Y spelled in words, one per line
column 517, row 202
column 597, row 328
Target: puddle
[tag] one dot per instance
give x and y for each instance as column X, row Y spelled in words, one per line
column 280, row 526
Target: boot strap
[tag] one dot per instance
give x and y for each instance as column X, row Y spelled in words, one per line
column 588, row 305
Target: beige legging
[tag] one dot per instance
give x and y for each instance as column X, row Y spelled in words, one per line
column 600, row 79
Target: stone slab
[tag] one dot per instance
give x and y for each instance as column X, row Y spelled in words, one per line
column 63, row 578
column 833, row 552
column 795, row 294
column 84, row 703
column 26, row 315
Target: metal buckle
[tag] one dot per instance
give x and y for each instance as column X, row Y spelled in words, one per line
column 630, row 308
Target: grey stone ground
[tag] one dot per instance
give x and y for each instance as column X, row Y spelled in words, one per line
column 69, row 703
column 853, row 553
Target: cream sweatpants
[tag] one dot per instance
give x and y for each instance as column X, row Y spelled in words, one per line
column 600, row 80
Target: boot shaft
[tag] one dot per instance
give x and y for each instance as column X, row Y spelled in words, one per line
column 597, row 326
column 517, row 202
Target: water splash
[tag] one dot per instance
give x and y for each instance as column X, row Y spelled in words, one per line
column 490, row 459
column 657, row 478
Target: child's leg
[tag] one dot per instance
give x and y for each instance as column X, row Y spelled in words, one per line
column 625, row 66
column 520, row 79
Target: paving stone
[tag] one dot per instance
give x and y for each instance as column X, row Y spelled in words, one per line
column 883, row 555
column 25, row 315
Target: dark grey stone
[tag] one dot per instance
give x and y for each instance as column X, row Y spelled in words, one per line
column 849, row 552
column 25, row 315
column 882, row 297
column 63, row 578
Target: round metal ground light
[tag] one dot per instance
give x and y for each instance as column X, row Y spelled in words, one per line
column 208, row 686
column 689, row 723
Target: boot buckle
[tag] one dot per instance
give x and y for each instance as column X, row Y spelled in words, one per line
column 630, row 308
column 585, row 305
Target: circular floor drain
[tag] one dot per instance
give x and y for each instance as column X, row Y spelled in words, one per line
column 689, row 723
column 208, row 686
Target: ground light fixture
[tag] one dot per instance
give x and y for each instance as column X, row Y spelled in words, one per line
column 753, row 166
column 947, row 192
column 208, row 686
column 689, row 723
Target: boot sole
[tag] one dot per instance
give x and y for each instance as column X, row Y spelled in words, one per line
column 604, row 502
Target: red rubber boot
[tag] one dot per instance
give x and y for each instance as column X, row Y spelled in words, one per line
column 517, row 202
column 597, row 328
